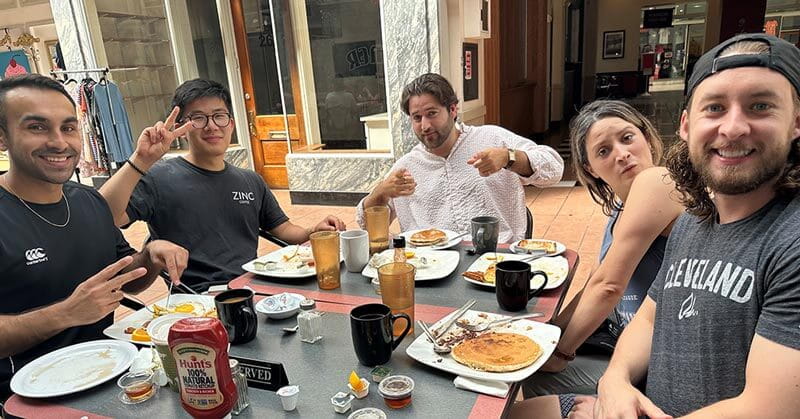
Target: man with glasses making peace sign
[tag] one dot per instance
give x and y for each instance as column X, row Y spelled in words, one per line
column 199, row 201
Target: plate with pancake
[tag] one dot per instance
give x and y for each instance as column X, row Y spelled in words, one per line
column 526, row 246
column 429, row 264
column 507, row 353
column 482, row 271
column 437, row 238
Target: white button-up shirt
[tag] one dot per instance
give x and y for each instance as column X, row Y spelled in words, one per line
column 450, row 192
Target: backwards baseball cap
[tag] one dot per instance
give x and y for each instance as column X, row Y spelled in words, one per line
column 782, row 57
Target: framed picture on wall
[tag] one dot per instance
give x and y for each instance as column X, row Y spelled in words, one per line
column 613, row 44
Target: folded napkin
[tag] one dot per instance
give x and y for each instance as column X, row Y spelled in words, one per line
column 147, row 359
column 489, row 387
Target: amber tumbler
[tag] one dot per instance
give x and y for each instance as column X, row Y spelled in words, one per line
column 377, row 220
column 397, row 290
column 325, row 247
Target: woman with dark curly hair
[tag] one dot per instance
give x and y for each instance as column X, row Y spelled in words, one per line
column 614, row 152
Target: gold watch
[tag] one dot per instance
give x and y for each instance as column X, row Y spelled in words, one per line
column 512, row 158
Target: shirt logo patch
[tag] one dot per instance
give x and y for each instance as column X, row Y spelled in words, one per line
column 687, row 308
column 34, row 256
column 243, row 197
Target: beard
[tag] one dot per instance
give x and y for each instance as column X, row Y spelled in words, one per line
column 737, row 179
column 441, row 135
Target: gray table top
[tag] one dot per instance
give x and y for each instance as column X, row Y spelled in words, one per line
column 321, row 370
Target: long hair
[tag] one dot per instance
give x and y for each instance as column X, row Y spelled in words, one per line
column 694, row 193
column 599, row 190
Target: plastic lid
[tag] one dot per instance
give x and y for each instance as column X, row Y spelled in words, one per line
column 341, row 399
column 396, row 387
column 233, row 363
column 368, row 413
column 308, row 304
column 158, row 329
column 288, row 391
column 399, row 242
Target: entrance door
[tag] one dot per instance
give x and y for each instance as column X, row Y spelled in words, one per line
column 273, row 134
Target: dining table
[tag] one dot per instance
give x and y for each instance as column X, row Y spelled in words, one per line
column 322, row 369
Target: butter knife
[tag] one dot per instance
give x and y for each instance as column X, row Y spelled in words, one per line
column 441, row 330
column 448, row 243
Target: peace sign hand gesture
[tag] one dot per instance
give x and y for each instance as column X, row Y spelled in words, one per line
column 154, row 141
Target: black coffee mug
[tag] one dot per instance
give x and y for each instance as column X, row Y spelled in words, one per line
column 236, row 312
column 371, row 326
column 513, row 284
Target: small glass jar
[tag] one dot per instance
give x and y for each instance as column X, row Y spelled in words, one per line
column 396, row 391
column 309, row 322
column 241, row 387
column 399, row 244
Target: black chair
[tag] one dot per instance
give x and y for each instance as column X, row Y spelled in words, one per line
column 529, row 225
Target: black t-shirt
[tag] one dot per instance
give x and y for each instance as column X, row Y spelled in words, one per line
column 41, row 264
column 215, row 215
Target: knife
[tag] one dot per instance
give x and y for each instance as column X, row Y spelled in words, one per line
column 441, row 330
column 448, row 242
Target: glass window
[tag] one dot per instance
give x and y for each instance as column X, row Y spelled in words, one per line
column 347, row 61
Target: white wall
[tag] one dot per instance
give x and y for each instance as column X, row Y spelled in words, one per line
column 451, row 41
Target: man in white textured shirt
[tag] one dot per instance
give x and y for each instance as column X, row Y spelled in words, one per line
column 458, row 172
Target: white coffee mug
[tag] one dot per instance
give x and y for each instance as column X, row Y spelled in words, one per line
column 355, row 247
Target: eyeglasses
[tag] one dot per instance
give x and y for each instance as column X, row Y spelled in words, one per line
column 200, row 121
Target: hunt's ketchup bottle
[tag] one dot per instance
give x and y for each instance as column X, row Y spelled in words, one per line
column 200, row 348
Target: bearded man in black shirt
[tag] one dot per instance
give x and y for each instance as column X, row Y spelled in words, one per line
column 64, row 265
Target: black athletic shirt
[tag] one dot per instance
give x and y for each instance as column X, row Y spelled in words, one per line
column 41, row 264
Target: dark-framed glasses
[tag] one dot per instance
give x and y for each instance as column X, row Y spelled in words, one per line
column 200, row 121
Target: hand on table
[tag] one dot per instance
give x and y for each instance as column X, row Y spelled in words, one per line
column 154, row 141
column 99, row 295
column 169, row 256
column 330, row 223
column 489, row 161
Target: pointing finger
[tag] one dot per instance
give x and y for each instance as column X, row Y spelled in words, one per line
column 170, row 122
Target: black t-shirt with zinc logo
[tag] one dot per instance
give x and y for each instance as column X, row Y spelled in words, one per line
column 215, row 215
column 41, row 264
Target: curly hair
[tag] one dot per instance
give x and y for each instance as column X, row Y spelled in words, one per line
column 599, row 190
column 694, row 193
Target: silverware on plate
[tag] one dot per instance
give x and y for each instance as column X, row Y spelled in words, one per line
column 441, row 330
column 439, row 349
column 483, row 326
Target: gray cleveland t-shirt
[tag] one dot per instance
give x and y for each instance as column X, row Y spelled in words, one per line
column 215, row 215
column 718, row 287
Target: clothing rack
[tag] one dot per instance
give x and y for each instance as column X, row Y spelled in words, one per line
column 103, row 70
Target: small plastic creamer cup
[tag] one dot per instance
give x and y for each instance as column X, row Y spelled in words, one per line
column 289, row 396
column 158, row 329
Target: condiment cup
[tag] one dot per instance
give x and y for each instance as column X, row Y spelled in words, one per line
column 136, row 386
column 289, row 396
column 364, row 389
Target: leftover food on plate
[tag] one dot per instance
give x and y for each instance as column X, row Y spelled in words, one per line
column 428, row 237
column 387, row 256
column 487, row 276
column 193, row 308
column 547, row 246
column 298, row 259
column 497, row 352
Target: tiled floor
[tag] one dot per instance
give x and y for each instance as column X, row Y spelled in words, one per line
column 564, row 214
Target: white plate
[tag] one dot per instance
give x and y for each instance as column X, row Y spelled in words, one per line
column 441, row 263
column 277, row 256
column 137, row 319
column 266, row 306
column 73, row 369
column 560, row 248
column 556, row 268
column 546, row 335
column 451, row 241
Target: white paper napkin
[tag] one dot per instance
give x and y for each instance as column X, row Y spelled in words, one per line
column 147, row 359
column 491, row 388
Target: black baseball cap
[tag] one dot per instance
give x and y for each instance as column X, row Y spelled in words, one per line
column 782, row 57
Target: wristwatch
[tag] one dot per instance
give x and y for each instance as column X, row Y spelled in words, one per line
column 563, row 356
column 512, row 158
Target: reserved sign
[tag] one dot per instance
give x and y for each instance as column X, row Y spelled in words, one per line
column 262, row 374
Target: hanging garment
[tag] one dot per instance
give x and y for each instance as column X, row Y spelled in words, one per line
column 90, row 162
column 109, row 109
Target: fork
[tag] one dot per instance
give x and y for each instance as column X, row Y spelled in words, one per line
column 440, row 331
column 483, row 326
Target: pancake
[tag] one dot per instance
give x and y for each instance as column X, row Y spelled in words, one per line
column 538, row 245
column 427, row 237
column 487, row 277
column 497, row 352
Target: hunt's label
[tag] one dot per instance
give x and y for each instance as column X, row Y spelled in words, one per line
column 197, row 375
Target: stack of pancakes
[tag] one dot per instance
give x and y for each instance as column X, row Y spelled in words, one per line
column 428, row 237
column 497, row 352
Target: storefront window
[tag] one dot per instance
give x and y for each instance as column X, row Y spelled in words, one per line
column 678, row 46
column 782, row 19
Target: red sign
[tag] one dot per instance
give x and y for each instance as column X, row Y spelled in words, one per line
column 467, row 65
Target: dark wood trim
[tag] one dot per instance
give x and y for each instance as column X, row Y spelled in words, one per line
column 491, row 52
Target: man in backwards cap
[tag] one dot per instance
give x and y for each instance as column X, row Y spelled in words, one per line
column 719, row 334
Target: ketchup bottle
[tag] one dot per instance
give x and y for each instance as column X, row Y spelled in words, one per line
column 200, row 348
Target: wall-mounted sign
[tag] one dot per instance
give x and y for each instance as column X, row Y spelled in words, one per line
column 470, row 60
column 355, row 59
column 657, row 18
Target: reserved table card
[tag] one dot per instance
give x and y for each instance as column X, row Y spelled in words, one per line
column 262, row 374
